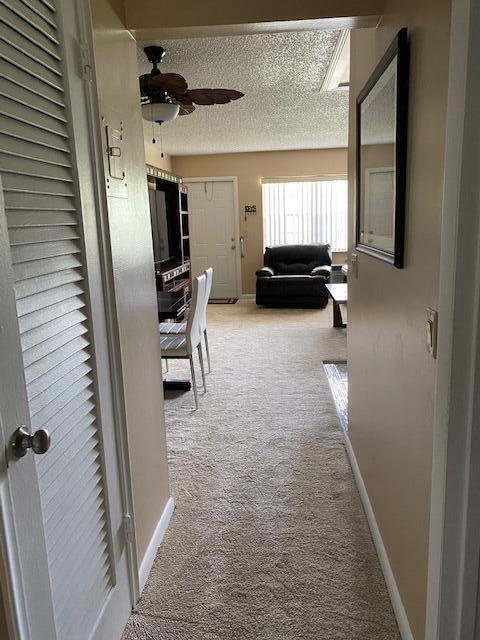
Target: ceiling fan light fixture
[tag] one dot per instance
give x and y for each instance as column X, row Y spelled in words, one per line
column 160, row 111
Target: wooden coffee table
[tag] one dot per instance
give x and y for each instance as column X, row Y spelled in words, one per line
column 339, row 295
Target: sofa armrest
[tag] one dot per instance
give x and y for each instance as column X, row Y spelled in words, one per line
column 324, row 270
column 264, row 272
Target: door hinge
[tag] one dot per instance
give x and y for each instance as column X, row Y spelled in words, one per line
column 85, row 62
column 128, row 528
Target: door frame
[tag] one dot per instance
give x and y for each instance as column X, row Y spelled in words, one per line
column 108, row 284
column 236, row 214
column 454, row 545
column 11, row 588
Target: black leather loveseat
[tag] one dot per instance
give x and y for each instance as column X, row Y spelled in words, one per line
column 294, row 275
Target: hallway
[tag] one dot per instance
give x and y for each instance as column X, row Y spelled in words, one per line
column 268, row 540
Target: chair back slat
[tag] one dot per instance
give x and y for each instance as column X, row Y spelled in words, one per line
column 194, row 329
column 208, row 288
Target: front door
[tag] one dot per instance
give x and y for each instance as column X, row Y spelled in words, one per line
column 62, row 526
column 213, row 241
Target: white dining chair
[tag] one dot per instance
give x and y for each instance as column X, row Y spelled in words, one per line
column 177, row 328
column 208, row 289
column 183, row 345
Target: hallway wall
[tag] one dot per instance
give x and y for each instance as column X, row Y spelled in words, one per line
column 145, row 14
column 391, row 375
column 132, row 256
column 250, row 168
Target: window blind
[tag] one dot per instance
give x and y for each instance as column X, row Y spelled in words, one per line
column 305, row 211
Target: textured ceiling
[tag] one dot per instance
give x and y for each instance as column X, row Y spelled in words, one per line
column 281, row 75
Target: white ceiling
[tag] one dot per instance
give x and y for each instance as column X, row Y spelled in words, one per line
column 283, row 108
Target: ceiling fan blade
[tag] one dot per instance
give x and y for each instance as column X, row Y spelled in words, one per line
column 183, row 99
column 213, row 96
column 173, row 83
column 186, row 109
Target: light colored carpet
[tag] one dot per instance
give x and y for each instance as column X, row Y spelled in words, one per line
column 268, row 540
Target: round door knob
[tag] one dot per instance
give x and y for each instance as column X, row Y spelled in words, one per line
column 22, row 441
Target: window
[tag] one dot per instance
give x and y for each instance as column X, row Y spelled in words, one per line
column 303, row 212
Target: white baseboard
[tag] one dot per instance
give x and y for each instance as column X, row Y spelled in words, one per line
column 248, row 296
column 155, row 542
column 399, row 609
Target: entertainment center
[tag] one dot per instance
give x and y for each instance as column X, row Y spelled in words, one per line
column 170, row 231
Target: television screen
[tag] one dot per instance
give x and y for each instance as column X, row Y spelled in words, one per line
column 165, row 224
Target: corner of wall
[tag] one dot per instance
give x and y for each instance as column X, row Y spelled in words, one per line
column 134, row 278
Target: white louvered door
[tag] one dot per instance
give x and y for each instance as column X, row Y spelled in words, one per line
column 66, row 504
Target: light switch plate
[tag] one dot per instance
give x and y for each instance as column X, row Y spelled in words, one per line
column 432, row 331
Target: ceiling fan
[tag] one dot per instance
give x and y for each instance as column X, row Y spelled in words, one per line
column 166, row 95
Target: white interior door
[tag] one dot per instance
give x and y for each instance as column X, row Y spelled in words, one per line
column 62, row 512
column 213, row 240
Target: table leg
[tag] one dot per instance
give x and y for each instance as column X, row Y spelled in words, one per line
column 337, row 316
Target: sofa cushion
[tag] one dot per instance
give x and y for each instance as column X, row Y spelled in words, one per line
column 289, row 255
column 293, row 268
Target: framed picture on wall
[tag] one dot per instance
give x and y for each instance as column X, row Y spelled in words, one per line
column 381, row 121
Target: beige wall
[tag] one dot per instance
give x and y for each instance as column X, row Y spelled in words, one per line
column 149, row 14
column 391, row 376
column 132, row 253
column 4, row 635
column 153, row 151
column 250, row 168
column 4, row 611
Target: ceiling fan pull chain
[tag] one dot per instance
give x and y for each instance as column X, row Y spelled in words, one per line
column 153, row 125
column 161, row 142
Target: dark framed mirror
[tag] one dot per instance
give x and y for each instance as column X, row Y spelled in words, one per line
column 381, row 120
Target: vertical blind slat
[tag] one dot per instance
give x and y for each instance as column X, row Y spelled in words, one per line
column 306, row 212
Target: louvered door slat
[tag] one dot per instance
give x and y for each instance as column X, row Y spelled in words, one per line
column 77, row 410
column 16, row 128
column 96, row 582
column 46, row 247
column 28, row 253
column 17, row 200
column 38, row 56
column 80, row 448
column 26, row 30
column 78, row 389
column 90, row 525
column 34, row 169
column 32, row 18
column 45, row 299
column 41, row 218
column 34, row 286
column 55, row 391
column 64, row 488
column 34, row 354
column 22, row 96
column 40, row 385
column 45, row 331
column 58, row 448
column 27, row 113
column 85, row 473
column 63, row 525
column 55, row 358
column 66, row 452
column 22, row 149
column 77, row 563
column 44, row 9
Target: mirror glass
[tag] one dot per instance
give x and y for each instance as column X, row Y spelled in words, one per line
column 377, row 163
